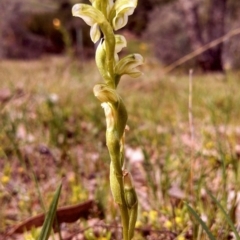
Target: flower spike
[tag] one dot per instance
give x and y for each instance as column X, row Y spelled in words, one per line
column 105, row 16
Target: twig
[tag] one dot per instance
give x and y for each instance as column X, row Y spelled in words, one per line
column 191, row 128
column 202, row 49
column 190, row 115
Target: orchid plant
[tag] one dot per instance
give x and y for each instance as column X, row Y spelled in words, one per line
column 104, row 17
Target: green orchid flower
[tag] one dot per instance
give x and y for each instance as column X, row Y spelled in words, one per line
column 92, row 16
column 106, row 94
column 120, row 43
column 128, row 64
column 123, row 9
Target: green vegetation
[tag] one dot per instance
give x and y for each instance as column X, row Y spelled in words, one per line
column 52, row 125
column 50, row 216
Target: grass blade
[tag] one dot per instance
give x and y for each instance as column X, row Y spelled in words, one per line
column 229, row 221
column 204, row 226
column 49, row 218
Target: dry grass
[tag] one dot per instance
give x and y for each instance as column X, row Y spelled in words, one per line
column 52, row 128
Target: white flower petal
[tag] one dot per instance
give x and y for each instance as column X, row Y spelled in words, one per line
column 95, row 33
column 88, row 13
column 120, row 43
column 124, row 4
column 116, row 57
column 120, row 21
column 123, row 9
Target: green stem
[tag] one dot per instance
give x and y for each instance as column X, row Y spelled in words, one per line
column 124, row 213
column 132, row 220
column 117, row 188
column 125, row 221
column 110, row 48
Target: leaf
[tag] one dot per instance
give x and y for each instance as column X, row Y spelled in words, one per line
column 66, row 214
column 49, row 219
column 203, row 224
column 225, row 215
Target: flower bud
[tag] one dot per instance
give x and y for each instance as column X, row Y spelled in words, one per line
column 129, row 191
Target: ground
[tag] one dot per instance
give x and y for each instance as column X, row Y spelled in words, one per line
column 52, row 130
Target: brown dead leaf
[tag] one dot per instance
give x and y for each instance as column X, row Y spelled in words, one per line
column 67, row 214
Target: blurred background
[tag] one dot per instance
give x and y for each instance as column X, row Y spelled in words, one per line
column 174, row 28
column 52, row 128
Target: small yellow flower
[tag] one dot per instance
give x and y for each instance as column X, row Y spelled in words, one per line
column 178, row 220
column 153, row 215
column 209, row 145
column 28, row 236
column 178, row 211
column 5, row 179
column 21, row 204
column 138, row 224
column 180, row 237
column 168, row 224
column 145, row 214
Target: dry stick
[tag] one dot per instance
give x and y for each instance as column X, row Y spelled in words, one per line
column 202, row 49
column 191, row 128
column 190, row 115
